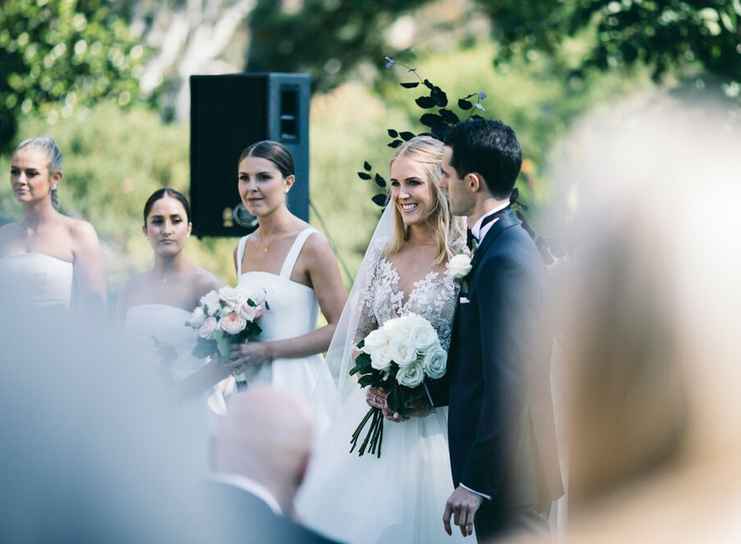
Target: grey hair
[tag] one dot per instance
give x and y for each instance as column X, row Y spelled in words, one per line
column 52, row 151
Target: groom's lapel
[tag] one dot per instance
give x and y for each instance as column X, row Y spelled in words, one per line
column 507, row 220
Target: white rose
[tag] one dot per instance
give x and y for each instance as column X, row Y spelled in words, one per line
column 255, row 295
column 250, row 313
column 232, row 323
column 459, row 266
column 402, row 350
column 232, row 297
column 375, row 341
column 211, row 302
column 380, row 359
column 197, row 318
column 424, row 335
column 210, row 324
column 435, row 362
column 410, row 376
column 259, row 297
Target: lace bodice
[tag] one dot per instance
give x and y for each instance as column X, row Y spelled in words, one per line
column 433, row 297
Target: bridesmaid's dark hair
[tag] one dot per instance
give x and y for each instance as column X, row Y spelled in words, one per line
column 162, row 193
column 274, row 152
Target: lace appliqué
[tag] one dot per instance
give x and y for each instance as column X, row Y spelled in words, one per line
column 432, row 297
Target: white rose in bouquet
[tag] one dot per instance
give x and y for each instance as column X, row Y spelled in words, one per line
column 210, row 324
column 232, row 323
column 197, row 318
column 459, row 266
column 423, row 335
column 375, row 341
column 211, row 302
column 435, row 362
column 402, row 351
column 231, row 296
column 250, row 313
column 410, row 375
column 381, row 359
column 255, row 295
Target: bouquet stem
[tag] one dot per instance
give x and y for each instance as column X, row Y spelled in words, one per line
column 374, row 435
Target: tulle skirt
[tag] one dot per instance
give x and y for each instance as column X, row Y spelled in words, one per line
column 399, row 497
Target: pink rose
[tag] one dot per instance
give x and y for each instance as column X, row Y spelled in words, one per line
column 232, row 323
column 208, row 327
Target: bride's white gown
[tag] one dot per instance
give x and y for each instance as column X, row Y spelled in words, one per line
column 293, row 312
column 399, row 497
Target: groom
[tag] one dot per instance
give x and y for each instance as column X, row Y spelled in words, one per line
column 500, row 423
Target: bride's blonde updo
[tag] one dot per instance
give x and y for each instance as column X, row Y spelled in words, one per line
column 427, row 151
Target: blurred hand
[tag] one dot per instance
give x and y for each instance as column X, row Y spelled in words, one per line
column 250, row 353
column 462, row 505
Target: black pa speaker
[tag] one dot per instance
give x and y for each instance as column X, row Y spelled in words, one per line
column 228, row 113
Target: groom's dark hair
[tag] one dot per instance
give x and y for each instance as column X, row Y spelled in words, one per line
column 489, row 148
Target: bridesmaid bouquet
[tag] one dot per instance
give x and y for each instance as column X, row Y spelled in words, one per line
column 396, row 358
column 226, row 317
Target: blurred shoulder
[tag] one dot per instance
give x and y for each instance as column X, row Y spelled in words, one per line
column 204, row 281
column 10, row 231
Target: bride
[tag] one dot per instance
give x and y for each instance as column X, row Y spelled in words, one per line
column 295, row 266
column 399, row 496
column 47, row 259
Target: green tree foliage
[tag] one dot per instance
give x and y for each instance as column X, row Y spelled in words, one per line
column 668, row 35
column 534, row 97
column 324, row 38
column 56, row 55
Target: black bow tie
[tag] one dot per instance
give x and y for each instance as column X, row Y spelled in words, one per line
column 471, row 241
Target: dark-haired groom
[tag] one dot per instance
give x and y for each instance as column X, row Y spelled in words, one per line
column 500, row 423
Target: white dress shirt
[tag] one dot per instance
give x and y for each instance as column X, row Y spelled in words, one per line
column 479, row 232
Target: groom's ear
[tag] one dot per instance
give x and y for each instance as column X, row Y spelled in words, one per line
column 474, row 182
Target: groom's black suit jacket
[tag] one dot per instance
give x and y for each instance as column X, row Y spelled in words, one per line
column 500, row 421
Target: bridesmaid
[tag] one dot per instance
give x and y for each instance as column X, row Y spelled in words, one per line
column 156, row 303
column 173, row 279
column 298, row 270
column 53, row 259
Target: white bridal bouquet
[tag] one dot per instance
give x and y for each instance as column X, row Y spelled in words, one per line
column 226, row 317
column 396, row 358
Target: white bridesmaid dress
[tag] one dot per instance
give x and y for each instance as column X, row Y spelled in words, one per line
column 293, row 312
column 36, row 280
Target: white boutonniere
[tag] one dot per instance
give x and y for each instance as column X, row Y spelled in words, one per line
column 459, row 266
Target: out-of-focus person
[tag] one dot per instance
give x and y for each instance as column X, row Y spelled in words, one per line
column 648, row 323
column 93, row 449
column 261, row 450
column 47, row 258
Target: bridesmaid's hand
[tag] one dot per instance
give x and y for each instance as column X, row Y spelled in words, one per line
column 250, row 353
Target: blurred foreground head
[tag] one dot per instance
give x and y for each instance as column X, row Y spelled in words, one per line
column 95, row 448
column 648, row 319
column 266, row 436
